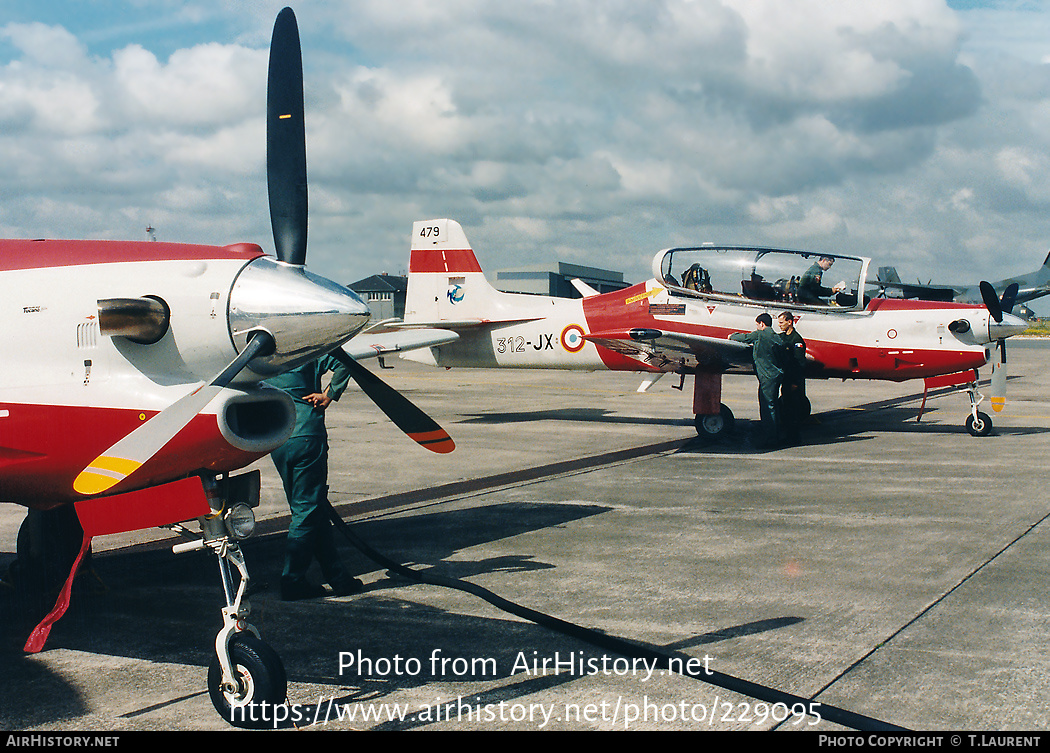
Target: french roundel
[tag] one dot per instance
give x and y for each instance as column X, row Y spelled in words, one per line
column 572, row 338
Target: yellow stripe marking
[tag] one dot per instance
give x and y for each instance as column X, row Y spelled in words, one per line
column 123, row 466
column 104, row 473
column 646, row 294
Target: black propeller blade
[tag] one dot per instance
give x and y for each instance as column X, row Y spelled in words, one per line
column 286, row 142
column 419, row 427
column 991, row 301
column 286, row 180
column 1009, row 297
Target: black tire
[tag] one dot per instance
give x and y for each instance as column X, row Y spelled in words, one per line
column 262, row 682
column 47, row 545
column 981, row 427
column 714, row 426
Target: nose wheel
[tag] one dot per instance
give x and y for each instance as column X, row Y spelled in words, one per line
column 246, row 679
column 258, row 683
column 979, row 424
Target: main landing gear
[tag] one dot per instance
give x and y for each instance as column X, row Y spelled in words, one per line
column 716, row 425
column 713, row 420
column 246, row 678
column 47, row 545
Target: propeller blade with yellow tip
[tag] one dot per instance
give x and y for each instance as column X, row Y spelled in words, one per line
column 999, row 376
column 134, row 449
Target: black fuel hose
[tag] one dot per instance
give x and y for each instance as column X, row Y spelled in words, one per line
column 674, row 661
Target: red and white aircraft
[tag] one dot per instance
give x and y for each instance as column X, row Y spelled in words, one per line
column 680, row 321
column 130, row 382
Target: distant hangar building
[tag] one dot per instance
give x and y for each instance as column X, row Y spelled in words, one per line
column 554, row 280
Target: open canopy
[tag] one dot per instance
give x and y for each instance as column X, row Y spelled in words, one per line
column 796, row 278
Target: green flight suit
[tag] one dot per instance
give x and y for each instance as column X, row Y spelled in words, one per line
column 793, row 386
column 766, row 351
column 810, row 289
column 302, row 462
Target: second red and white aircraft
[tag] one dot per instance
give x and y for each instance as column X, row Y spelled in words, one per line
column 680, row 321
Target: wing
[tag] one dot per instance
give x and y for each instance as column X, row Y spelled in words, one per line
column 669, row 350
column 372, row 343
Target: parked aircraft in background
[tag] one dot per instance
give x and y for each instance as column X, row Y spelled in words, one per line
column 1024, row 288
column 680, row 321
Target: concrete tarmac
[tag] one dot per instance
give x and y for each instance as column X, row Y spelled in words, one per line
column 888, row 568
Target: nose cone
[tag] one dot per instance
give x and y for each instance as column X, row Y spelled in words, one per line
column 307, row 315
column 1009, row 326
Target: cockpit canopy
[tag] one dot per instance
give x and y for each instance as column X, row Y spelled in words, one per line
column 780, row 277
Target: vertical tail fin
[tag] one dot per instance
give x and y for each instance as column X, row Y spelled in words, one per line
column 445, row 281
column 441, row 246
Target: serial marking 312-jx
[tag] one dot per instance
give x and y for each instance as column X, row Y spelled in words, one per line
column 680, row 320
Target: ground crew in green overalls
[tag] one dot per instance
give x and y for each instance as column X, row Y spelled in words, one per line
column 766, row 351
column 302, row 462
column 793, row 383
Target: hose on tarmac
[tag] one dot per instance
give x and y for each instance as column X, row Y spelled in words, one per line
column 676, row 662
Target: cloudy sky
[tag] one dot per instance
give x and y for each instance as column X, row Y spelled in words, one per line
column 916, row 132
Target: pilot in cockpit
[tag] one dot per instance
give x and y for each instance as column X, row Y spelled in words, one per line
column 810, row 289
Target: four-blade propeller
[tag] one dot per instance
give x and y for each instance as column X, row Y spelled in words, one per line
column 287, row 188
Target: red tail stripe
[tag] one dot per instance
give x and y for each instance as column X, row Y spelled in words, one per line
column 447, row 260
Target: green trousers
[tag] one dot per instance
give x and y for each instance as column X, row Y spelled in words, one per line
column 302, row 463
column 768, row 393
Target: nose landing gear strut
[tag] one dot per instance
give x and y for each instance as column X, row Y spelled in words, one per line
column 246, row 678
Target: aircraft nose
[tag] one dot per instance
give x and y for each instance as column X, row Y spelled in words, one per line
column 1009, row 326
column 308, row 315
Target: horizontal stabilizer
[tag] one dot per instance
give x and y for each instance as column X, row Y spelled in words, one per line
column 583, row 288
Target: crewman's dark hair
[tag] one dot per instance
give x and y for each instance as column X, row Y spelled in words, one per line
column 765, row 319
